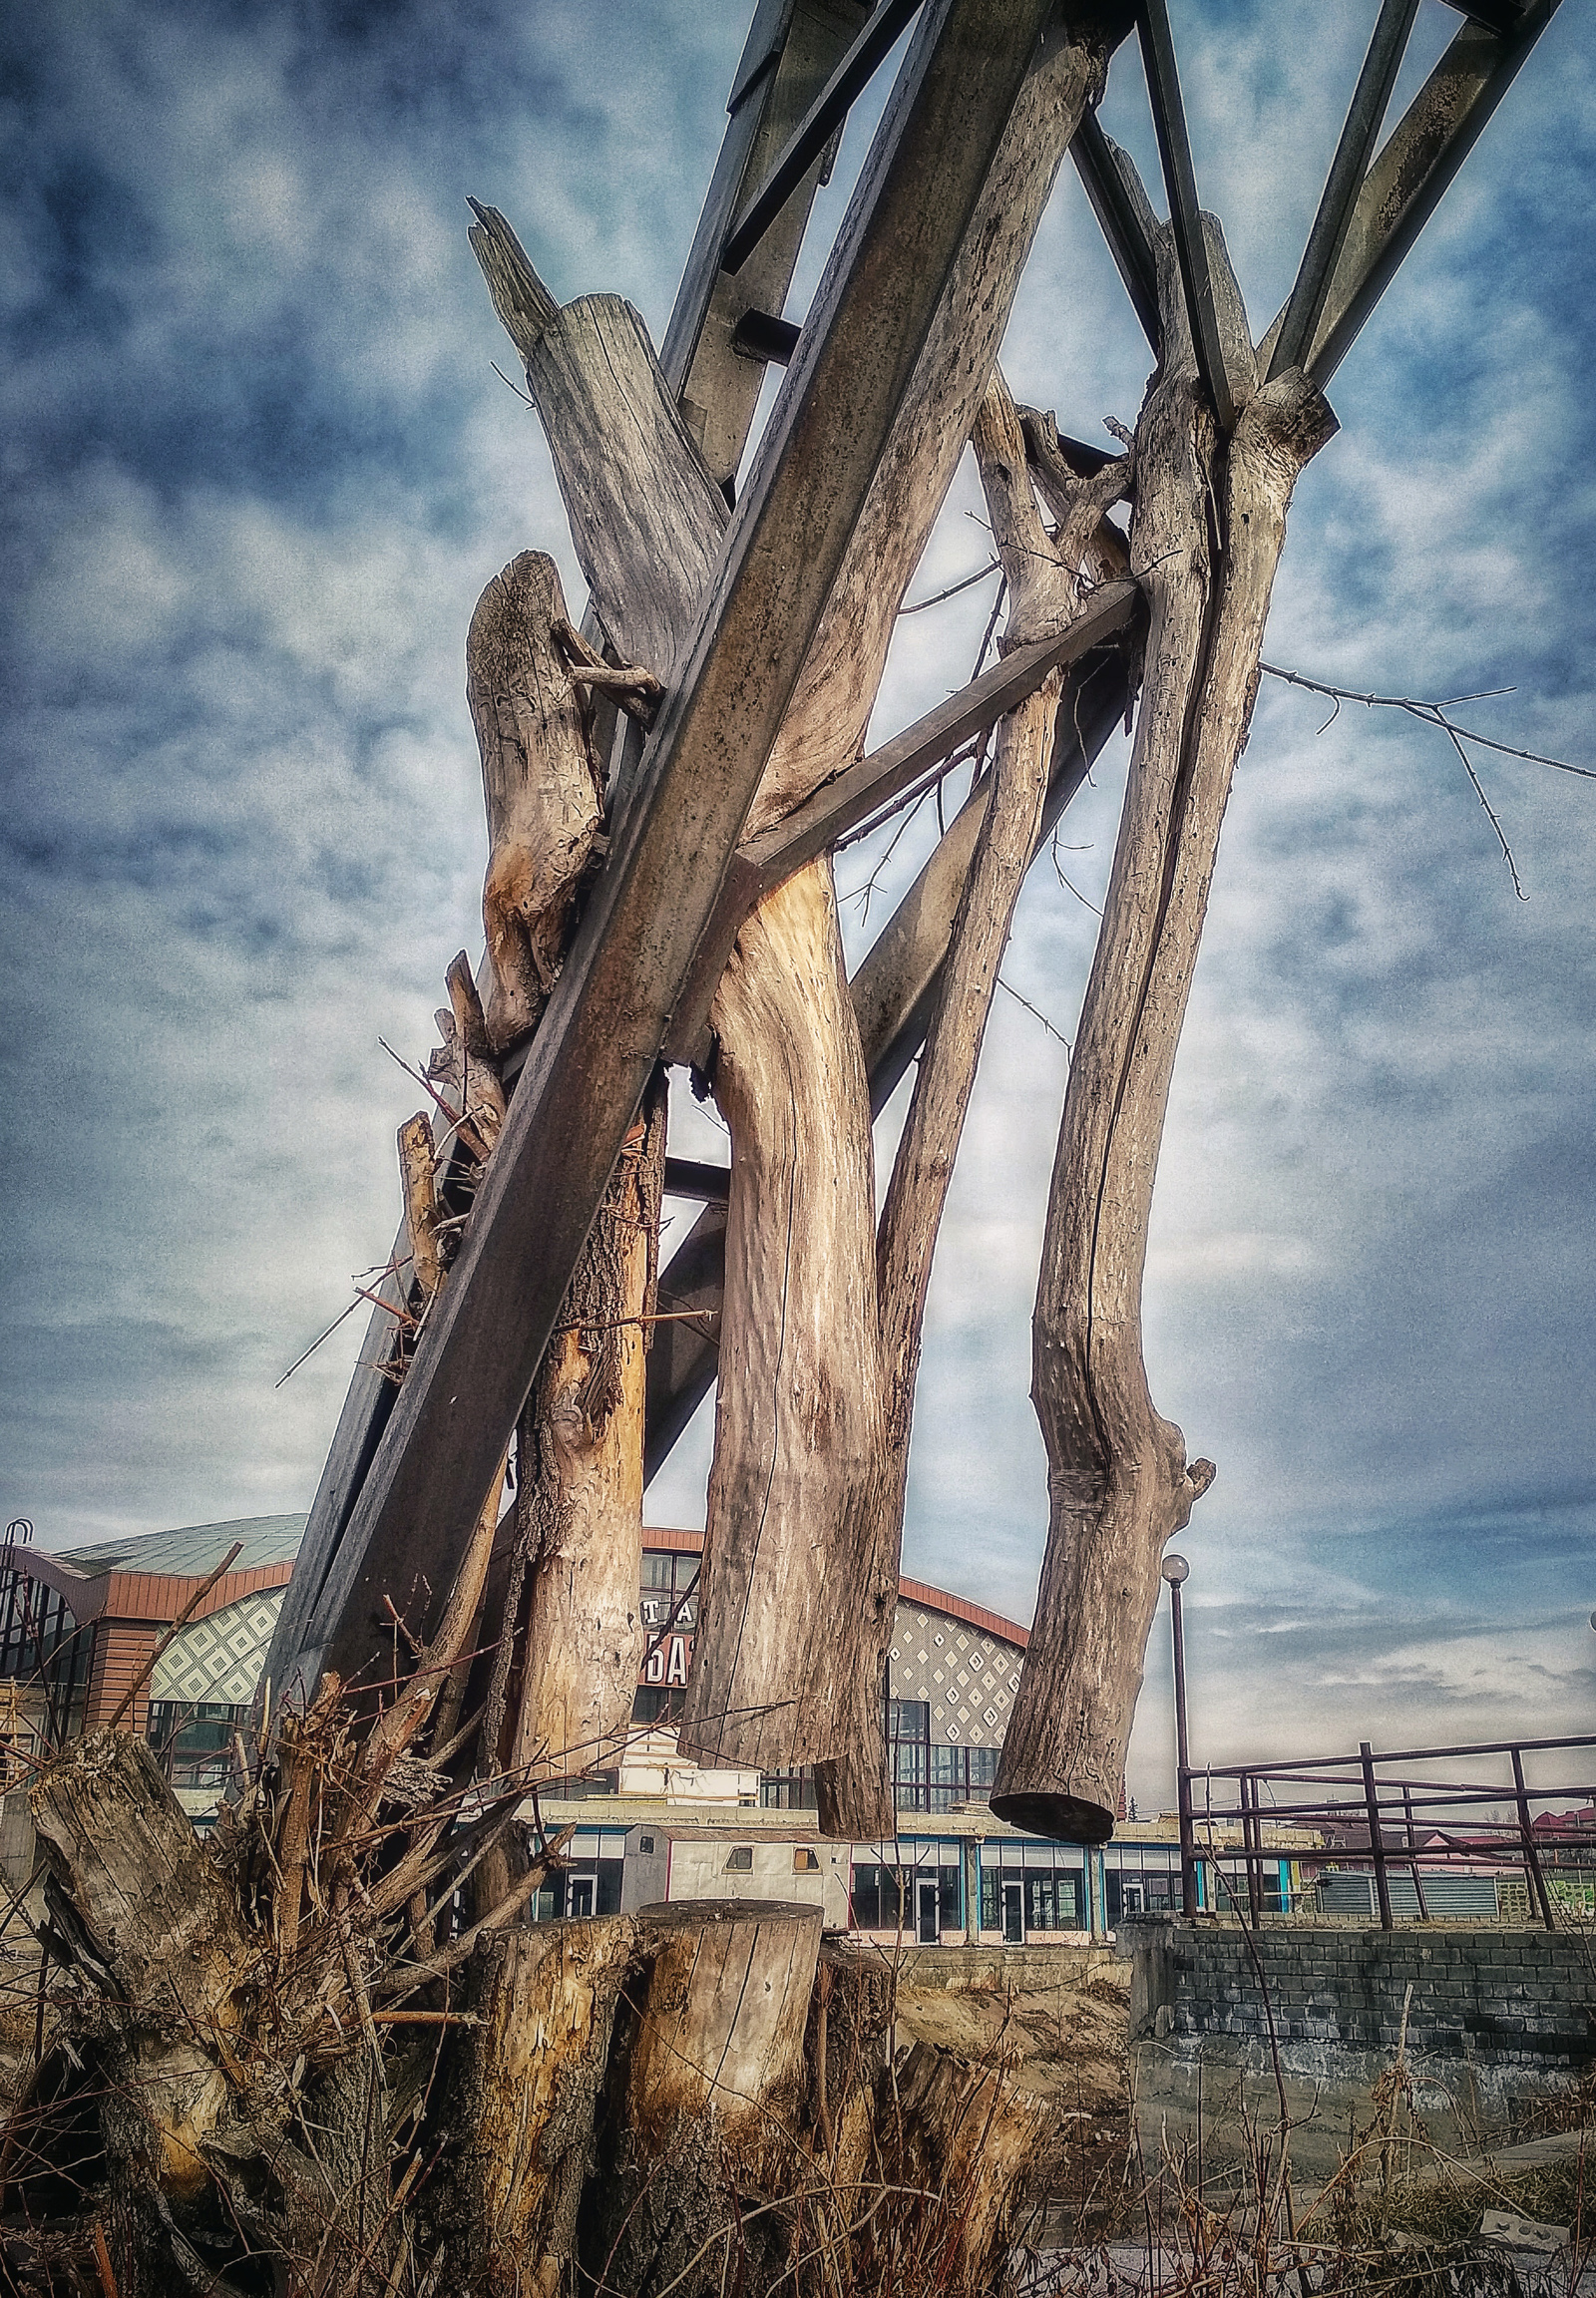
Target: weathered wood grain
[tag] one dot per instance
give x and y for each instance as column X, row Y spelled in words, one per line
column 579, row 1499
column 798, row 1414
column 618, row 444
column 538, row 784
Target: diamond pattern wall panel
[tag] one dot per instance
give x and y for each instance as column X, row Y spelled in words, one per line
column 969, row 1676
column 219, row 1659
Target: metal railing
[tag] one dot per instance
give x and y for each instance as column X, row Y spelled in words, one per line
column 1412, row 1820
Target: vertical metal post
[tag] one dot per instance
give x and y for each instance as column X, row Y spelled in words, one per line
column 1188, row 1848
column 1526, row 1833
column 1252, row 1848
column 1412, row 1855
column 1375, row 1841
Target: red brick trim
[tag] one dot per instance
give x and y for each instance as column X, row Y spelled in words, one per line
column 909, row 1591
column 974, row 1615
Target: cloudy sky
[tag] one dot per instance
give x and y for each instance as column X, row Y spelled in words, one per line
column 258, row 466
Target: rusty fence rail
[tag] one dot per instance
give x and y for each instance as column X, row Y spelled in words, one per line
column 1375, row 1818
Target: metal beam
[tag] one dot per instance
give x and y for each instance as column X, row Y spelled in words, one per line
column 1344, row 181
column 1503, row 16
column 792, row 50
column 853, row 796
column 815, row 131
column 605, row 1022
column 691, row 1177
column 1185, row 219
column 894, row 992
column 1405, row 184
column 1128, row 243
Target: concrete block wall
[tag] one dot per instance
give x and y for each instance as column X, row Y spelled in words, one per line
column 1514, row 1993
column 1497, row 2020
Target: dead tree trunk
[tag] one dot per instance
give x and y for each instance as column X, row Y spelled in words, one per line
column 797, row 1583
column 1044, row 591
column 1206, row 536
column 579, row 1501
column 706, row 2099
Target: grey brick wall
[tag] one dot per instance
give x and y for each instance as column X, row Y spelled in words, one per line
column 1510, row 1996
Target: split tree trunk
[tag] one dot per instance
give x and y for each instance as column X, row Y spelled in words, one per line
column 1119, row 1485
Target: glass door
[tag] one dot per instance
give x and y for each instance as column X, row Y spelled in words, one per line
column 1014, row 1914
column 927, row 1928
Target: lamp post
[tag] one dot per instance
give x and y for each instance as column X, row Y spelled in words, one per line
column 1175, row 1570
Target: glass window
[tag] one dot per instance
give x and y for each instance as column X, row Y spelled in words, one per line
column 740, row 1858
column 804, row 1861
column 788, row 1790
column 193, row 1741
column 655, row 1704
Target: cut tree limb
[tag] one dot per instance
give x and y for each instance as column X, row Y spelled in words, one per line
column 1119, row 1485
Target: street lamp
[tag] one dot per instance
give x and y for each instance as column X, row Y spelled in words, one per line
column 1175, row 1571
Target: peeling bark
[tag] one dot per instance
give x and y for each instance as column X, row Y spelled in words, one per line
column 1206, row 536
column 543, row 799
column 580, row 1525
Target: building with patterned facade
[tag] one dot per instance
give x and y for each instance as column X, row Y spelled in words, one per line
column 78, row 1629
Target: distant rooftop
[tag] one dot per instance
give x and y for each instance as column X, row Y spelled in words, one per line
column 194, row 1550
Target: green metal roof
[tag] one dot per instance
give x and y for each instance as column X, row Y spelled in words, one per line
column 194, row 1550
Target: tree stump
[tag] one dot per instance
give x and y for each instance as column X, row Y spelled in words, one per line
column 528, row 2093
column 707, row 2091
